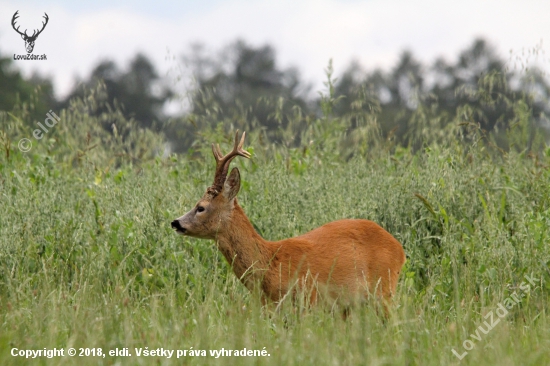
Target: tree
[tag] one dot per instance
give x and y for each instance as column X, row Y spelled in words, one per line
column 133, row 90
column 245, row 82
column 36, row 93
column 477, row 88
column 399, row 91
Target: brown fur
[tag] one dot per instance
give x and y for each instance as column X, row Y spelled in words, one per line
column 350, row 256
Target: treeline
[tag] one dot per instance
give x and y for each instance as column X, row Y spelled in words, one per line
column 243, row 86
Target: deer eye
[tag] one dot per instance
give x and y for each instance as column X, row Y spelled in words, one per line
column 200, row 209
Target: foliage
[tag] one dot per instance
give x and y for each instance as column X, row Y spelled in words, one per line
column 475, row 88
column 90, row 132
column 15, row 90
column 88, row 259
column 242, row 86
column 138, row 91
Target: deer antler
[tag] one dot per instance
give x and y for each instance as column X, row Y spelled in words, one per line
column 43, row 26
column 222, row 162
column 13, row 19
column 34, row 34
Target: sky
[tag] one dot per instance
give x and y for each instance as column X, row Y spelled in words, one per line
column 306, row 34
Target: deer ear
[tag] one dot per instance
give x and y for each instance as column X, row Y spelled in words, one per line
column 232, row 184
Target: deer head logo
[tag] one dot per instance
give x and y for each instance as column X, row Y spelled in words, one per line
column 29, row 40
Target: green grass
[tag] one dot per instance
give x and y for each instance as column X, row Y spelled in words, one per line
column 88, row 259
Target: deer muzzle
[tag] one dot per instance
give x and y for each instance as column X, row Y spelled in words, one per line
column 176, row 224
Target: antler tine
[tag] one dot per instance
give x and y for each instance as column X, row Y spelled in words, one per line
column 240, row 149
column 217, row 152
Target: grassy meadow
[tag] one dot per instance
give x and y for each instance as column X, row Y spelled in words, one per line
column 88, row 258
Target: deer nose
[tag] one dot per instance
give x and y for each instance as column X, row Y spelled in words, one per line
column 176, row 225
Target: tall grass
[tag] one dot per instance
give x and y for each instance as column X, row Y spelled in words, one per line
column 88, row 259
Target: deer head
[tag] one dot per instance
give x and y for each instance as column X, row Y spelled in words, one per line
column 29, row 40
column 211, row 213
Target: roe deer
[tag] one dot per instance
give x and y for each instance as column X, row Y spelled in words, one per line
column 346, row 257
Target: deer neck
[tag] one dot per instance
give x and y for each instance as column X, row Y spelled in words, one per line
column 245, row 250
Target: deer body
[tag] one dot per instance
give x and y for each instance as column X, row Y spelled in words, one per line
column 345, row 258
